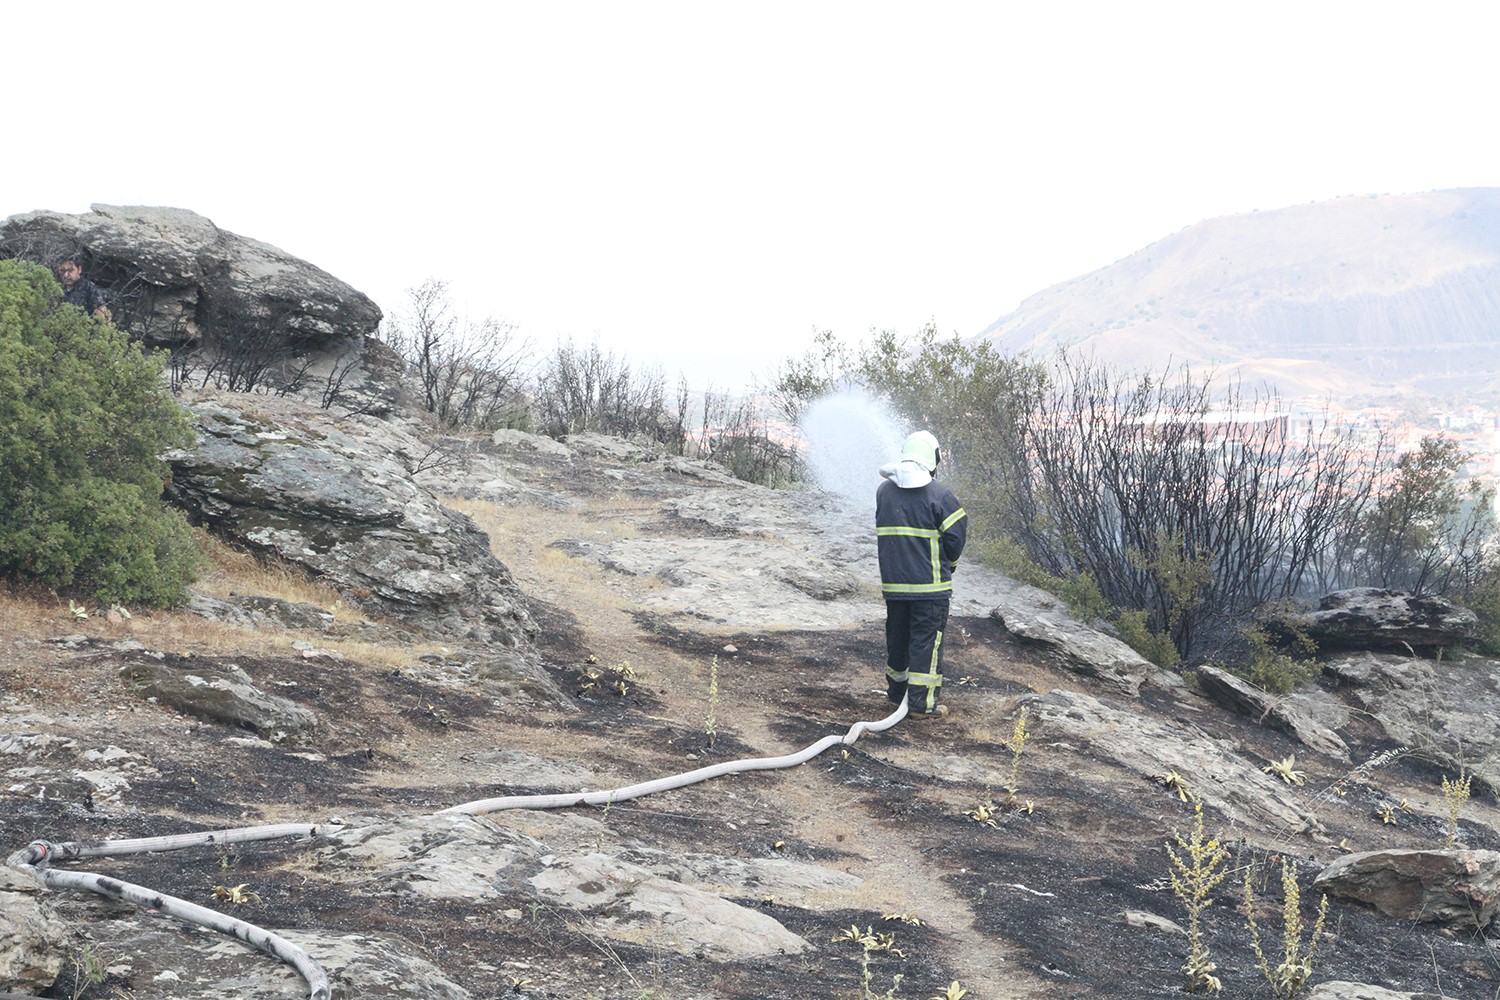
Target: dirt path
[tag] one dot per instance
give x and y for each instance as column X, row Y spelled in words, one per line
column 807, row 684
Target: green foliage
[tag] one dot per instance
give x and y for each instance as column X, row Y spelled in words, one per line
column 83, row 421
column 799, row 381
column 1135, row 631
column 1078, row 590
column 1269, row 668
column 1017, row 744
column 1181, row 577
column 1455, row 794
column 1426, row 531
column 973, row 398
column 711, row 717
column 1483, row 598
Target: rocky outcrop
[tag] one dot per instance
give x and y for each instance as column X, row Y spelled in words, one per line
column 1339, row 989
column 281, row 479
column 1216, row 773
column 1373, row 618
column 174, row 278
column 1446, row 707
column 455, row 856
column 1038, row 618
column 217, row 692
column 33, row 941
column 1458, row 889
column 1308, row 718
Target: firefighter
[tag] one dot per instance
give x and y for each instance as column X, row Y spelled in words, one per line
column 920, row 530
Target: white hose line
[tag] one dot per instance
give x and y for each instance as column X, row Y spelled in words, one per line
column 35, row 857
column 274, row 945
column 71, row 849
column 566, row 799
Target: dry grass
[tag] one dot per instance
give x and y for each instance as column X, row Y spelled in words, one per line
column 233, row 571
column 35, row 612
column 521, row 538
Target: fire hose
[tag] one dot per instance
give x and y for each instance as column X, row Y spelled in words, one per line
column 37, row 857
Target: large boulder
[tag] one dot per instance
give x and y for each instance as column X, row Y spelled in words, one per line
column 1216, row 770
column 174, row 278
column 218, row 692
column 1446, row 708
column 1374, row 618
column 1458, row 889
column 1310, row 718
column 284, row 480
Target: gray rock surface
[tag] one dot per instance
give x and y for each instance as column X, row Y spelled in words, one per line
column 1041, row 619
column 1293, row 714
column 176, row 278
column 281, row 479
column 1343, row 990
column 1459, row 889
column 1372, row 618
column 215, row 692
column 621, row 895
column 1449, row 708
column 173, row 963
column 33, row 941
column 1252, row 803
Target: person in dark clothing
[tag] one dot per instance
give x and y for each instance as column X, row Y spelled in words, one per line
column 80, row 291
column 920, row 529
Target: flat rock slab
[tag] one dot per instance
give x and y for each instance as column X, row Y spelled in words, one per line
column 218, row 692
column 1458, row 889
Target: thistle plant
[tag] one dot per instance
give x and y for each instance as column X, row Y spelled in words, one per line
column 1196, row 872
column 711, row 720
column 1291, row 976
column 871, row 941
column 955, row 991
column 1455, row 794
column 1017, row 744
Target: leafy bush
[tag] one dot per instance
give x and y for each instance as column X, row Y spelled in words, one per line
column 975, row 400
column 1078, row 590
column 1483, row 599
column 1270, row 668
column 1135, row 631
column 1426, row 530
column 83, row 420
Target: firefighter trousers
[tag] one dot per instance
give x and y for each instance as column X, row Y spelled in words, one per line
column 914, row 652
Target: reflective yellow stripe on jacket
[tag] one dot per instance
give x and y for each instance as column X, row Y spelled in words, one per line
column 938, row 584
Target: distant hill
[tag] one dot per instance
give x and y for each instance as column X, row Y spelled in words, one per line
column 1378, row 296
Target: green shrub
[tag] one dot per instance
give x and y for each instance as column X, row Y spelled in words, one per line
column 1157, row 647
column 1077, row 590
column 1484, row 600
column 84, row 419
column 1272, row 670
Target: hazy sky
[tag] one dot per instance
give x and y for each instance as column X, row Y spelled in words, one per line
column 703, row 184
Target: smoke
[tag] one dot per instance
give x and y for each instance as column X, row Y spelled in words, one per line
column 849, row 437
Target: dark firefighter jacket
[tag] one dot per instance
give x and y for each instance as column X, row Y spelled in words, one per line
column 920, row 533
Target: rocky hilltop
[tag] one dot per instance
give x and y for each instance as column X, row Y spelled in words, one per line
column 648, row 617
column 410, row 734
column 1353, row 296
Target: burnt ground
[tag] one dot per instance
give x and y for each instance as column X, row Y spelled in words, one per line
column 1024, row 905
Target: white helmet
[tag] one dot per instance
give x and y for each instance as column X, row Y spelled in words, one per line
column 922, row 448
